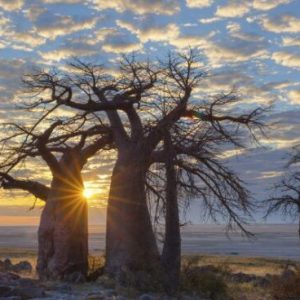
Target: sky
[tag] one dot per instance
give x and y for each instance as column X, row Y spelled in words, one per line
column 252, row 45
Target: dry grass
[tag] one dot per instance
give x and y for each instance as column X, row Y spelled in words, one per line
column 249, row 265
column 279, row 290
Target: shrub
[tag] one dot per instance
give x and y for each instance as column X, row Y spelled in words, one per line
column 286, row 286
column 204, row 281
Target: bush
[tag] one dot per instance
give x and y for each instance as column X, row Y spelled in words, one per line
column 286, row 286
column 205, row 281
column 96, row 267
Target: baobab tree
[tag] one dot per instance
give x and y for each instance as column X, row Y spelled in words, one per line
column 286, row 199
column 189, row 166
column 131, row 99
column 65, row 147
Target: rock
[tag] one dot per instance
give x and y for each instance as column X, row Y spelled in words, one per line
column 242, row 277
column 28, row 282
column 30, row 292
column 6, row 277
column 7, row 264
column 121, row 298
column 185, row 297
column 146, row 297
column 75, row 277
column 5, row 291
column 95, row 297
column 287, row 274
column 22, row 292
column 63, row 288
column 22, row 266
column 109, row 293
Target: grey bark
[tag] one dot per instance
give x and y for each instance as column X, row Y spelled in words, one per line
column 171, row 254
column 63, row 231
column 130, row 240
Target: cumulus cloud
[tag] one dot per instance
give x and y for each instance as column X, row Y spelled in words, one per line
column 33, row 12
column 198, row 3
column 62, row 1
column 156, row 33
column 11, row 71
column 267, row 4
column 160, row 7
column 11, row 5
column 233, row 9
column 235, row 51
column 287, row 59
column 68, row 51
column 121, row 47
column 4, row 21
column 236, row 32
column 209, row 20
column 294, row 97
column 53, row 26
column 283, row 23
column 289, row 41
column 186, row 41
column 25, row 40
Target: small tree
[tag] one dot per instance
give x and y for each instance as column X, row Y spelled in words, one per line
column 65, row 148
column 287, row 193
column 190, row 166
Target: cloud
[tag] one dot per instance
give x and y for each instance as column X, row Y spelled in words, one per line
column 185, row 41
column 233, row 51
column 160, row 7
column 62, row 1
column 72, row 49
column 33, row 12
column 11, row 5
column 236, row 32
column 198, row 3
column 233, row 9
column 53, row 26
column 267, row 4
column 288, row 41
column 11, row 71
column 210, row 20
column 157, row 34
column 283, row 23
column 3, row 21
column 287, row 59
column 26, row 41
column 63, row 53
column 121, row 46
column 294, row 97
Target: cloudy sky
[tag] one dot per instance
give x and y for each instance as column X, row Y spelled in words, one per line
column 252, row 45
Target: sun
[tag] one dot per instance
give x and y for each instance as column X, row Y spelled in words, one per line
column 87, row 193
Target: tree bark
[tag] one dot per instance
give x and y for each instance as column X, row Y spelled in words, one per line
column 171, row 254
column 130, row 240
column 63, row 231
column 299, row 223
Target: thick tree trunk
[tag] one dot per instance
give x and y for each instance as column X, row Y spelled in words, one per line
column 299, row 226
column 63, row 231
column 130, row 240
column 171, row 254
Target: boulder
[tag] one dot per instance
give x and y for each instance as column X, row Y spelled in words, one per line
column 23, row 266
column 242, row 277
column 7, row 277
column 7, row 264
column 5, row 291
column 146, row 297
column 30, row 292
column 75, row 277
